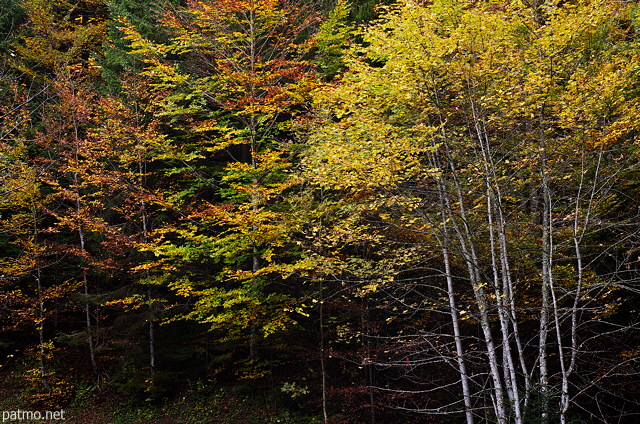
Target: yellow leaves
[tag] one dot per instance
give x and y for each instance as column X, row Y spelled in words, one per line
column 479, row 287
column 129, row 303
column 19, row 184
column 182, row 287
column 301, row 311
column 361, row 153
column 209, row 125
column 147, row 266
column 464, row 314
column 57, row 40
column 167, row 74
column 138, row 44
column 615, row 132
column 369, row 288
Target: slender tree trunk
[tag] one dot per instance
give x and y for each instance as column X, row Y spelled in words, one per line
column 508, row 365
column 368, row 365
column 474, row 266
column 501, row 291
column 323, row 368
column 455, row 315
column 455, row 321
column 253, row 340
column 255, row 264
column 152, row 331
column 468, row 252
column 253, row 128
column 83, row 251
column 577, row 235
column 546, row 276
column 506, row 300
column 42, row 352
column 41, row 310
column 145, row 236
column 87, row 315
column 152, row 338
column 87, row 312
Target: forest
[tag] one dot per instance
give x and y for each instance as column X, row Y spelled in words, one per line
column 336, row 212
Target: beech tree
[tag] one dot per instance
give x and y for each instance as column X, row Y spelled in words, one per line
column 27, row 293
column 52, row 55
column 463, row 131
column 227, row 84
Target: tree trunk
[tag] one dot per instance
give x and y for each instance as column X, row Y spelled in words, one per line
column 41, row 310
column 83, row 252
column 455, row 315
column 470, row 257
column 547, row 259
column 323, row 368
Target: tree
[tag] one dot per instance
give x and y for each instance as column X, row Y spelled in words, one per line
column 450, row 130
column 54, row 54
column 331, row 39
column 59, row 38
column 228, row 82
column 143, row 15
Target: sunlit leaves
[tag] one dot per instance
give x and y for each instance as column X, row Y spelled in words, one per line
column 450, row 120
column 227, row 83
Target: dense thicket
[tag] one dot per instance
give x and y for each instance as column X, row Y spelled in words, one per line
column 432, row 217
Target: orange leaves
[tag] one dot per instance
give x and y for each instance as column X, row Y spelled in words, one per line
column 227, row 83
column 242, row 55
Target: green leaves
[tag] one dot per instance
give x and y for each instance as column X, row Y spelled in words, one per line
column 332, row 38
column 226, row 85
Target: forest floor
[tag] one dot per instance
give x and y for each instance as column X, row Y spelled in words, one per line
column 197, row 406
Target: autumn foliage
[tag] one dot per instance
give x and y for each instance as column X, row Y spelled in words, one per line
column 430, row 217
